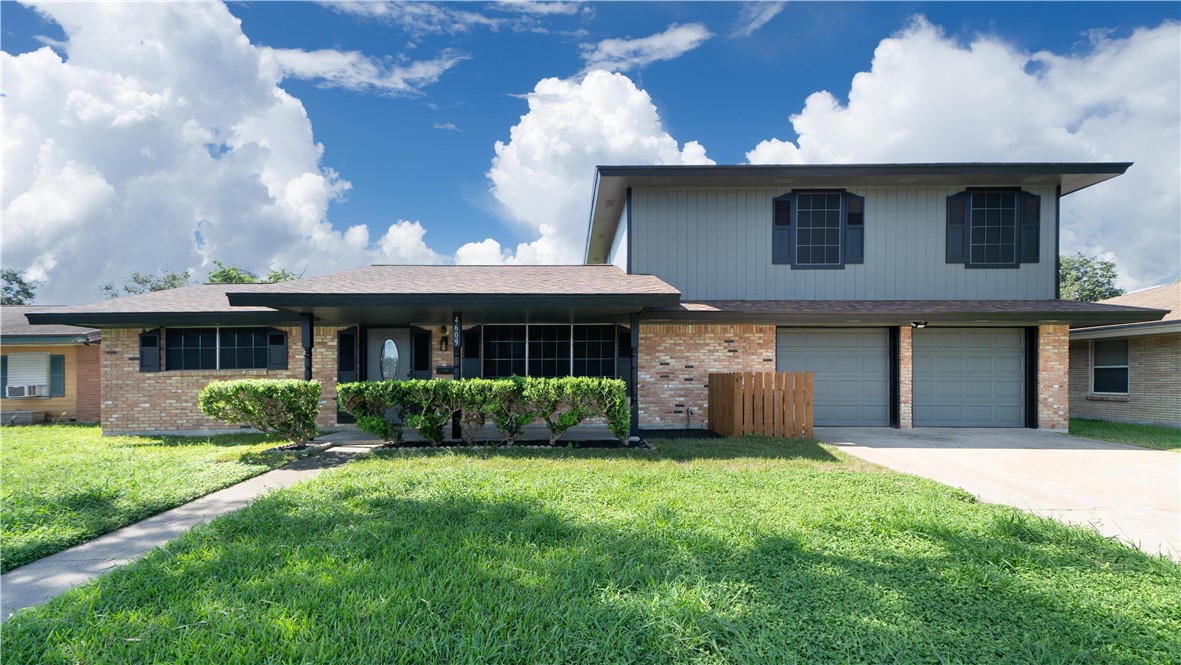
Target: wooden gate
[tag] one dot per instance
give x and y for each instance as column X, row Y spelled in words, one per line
column 770, row 403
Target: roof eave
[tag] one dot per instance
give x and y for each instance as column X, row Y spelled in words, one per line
column 156, row 319
column 1127, row 330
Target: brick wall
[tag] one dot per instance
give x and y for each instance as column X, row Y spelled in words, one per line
column 1154, row 376
column 675, row 362
column 905, row 377
column 137, row 402
column 89, row 383
column 1053, row 377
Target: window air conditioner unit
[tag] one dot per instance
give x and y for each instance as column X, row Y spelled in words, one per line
column 16, row 391
column 35, row 391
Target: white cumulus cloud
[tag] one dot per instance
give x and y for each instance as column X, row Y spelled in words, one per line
column 621, row 55
column 928, row 98
column 542, row 175
column 162, row 139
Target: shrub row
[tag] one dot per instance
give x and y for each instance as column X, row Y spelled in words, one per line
column 384, row 408
column 283, row 407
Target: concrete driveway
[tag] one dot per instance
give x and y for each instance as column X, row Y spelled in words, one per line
column 1126, row 492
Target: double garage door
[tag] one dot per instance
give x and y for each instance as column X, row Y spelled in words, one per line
column 961, row 377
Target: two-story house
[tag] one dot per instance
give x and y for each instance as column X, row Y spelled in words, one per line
column 917, row 294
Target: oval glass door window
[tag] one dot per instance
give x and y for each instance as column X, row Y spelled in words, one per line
column 389, row 360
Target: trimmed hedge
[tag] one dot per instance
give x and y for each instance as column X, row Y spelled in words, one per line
column 383, row 408
column 282, row 407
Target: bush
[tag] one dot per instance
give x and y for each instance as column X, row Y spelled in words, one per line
column 511, row 412
column 381, row 407
column 370, row 403
column 282, row 407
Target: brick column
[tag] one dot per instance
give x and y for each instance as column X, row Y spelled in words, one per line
column 905, row 377
column 1053, row 378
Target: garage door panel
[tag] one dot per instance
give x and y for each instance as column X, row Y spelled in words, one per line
column 968, row 378
column 849, row 368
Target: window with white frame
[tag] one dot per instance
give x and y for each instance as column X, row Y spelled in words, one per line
column 32, row 374
column 1109, row 367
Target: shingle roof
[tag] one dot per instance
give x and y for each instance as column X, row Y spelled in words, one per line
column 476, row 281
column 1167, row 297
column 879, row 311
column 202, row 303
column 13, row 324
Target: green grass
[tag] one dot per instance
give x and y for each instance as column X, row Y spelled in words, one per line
column 61, row 485
column 751, row 551
column 1148, row 436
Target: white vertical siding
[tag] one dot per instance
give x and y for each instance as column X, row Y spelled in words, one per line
column 715, row 244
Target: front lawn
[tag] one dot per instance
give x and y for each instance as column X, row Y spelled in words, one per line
column 61, row 485
column 1147, row 436
column 726, row 551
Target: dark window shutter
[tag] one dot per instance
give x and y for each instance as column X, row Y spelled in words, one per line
column 420, row 362
column 781, row 231
column 276, row 349
column 57, row 376
column 957, row 226
column 149, row 351
column 854, row 228
column 1031, row 216
column 3, row 377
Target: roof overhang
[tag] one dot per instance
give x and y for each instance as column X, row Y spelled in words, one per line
column 377, row 309
column 612, row 182
column 1172, row 326
column 50, row 340
column 155, row 319
column 897, row 313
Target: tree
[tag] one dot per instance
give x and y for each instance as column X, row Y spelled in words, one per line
column 281, row 275
column 138, row 282
column 1087, row 278
column 231, row 275
column 18, row 289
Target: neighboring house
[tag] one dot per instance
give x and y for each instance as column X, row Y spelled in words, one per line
column 1132, row 372
column 47, row 372
column 917, row 294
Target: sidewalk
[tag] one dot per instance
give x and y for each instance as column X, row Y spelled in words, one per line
column 38, row 582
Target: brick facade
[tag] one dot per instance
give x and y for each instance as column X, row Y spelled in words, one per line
column 675, row 362
column 1154, row 377
column 139, row 402
column 905, row 377
column 1053, row 377
column 89, row 384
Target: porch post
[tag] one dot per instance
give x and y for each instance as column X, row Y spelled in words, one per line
column 457, row 362
column 307, row 328
column 635, row 377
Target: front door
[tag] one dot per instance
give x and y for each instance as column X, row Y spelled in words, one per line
column 388, row 354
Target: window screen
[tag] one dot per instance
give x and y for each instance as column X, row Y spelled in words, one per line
column 1109, row 363
column 243, row 348
column 190, row 348
column 549, row 350
column 993, row 239
column 504, row 351
column 818, row 228
column 594, row 350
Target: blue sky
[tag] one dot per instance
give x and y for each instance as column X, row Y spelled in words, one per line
column 408, row 104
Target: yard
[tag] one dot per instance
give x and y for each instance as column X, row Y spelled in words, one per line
column 61, row 485
column 724, row 551
column 1146, row 436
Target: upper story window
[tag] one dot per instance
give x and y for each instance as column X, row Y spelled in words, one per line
column 993, row 228
column 213, row 349
column 818, row 229
column 1109, row 366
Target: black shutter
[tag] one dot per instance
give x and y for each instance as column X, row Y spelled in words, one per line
column 346, row 366
column 781, row 231
column 957, row 226
column 471, row 353
column 854, row 228
column 276, row 349
column 149, row 351
column 1030, row 232
column 420, row 354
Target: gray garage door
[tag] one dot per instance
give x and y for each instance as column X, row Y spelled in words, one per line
column 969, row 378
column 850, row 372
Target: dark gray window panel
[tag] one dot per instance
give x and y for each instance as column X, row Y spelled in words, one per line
column 957, row 225
column 781, row 230
column 854, row 228
column 1031, row 215
column 149, row 351
column 1109, row 366
column 3, row 377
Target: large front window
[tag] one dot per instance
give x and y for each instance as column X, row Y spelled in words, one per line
column 224, row 348
column 993, row 236
column 548, row 350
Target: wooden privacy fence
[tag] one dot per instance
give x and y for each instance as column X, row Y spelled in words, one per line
column 771, row 403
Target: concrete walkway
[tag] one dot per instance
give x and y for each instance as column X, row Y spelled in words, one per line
column 1125, row 492
column 38, row 582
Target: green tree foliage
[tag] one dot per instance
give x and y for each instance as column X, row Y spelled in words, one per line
column 281, row 275
column 17, row 289
column 231, row 275
column 1087, row 278
column 138, row 282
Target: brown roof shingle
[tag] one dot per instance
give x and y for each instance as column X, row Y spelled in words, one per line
column 1167, row 296
column 14, row 324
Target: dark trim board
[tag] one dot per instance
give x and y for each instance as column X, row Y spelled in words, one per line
column 166, row 319
column 1031, row 377
column 895, row 344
